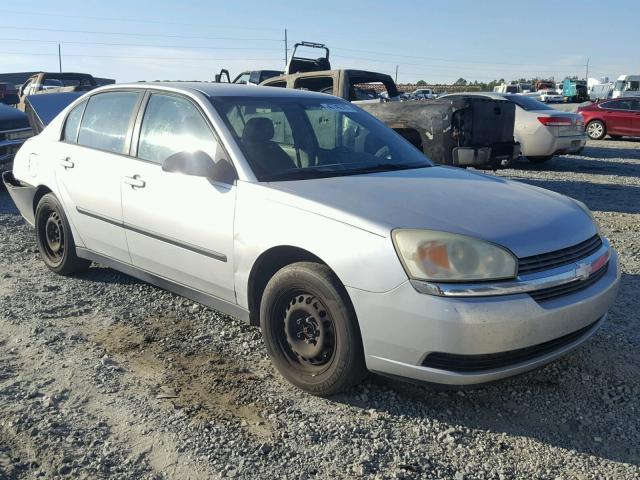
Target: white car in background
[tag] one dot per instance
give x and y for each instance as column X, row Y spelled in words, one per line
column 550, row 96
column 542, row 130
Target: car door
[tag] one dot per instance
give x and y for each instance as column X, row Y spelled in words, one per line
column 635, row 119
column 178, row 227
column 90, row 165
column 618, row 115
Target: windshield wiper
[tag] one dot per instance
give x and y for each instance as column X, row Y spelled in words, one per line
column 384, row 167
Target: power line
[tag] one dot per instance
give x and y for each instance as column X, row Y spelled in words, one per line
column 135, row 57
column 110, row 44
column 164, row 35
column 123, row 19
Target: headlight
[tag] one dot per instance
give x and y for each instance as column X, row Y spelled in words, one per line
column 586, row 210
column 449, row 257
column 19, row 135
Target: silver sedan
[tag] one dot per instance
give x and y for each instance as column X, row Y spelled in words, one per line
column 303, row 214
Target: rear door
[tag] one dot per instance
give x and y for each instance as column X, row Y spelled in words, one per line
column 177, row 226
column 90, row 165
column 618, row 115
column 635, row 119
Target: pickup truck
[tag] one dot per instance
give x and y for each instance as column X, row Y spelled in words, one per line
column 465, row 131
column 44, row 82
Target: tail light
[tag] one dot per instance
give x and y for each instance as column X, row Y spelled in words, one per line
column 555, row 121
column 580, row 120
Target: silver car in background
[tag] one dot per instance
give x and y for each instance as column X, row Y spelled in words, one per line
column 303, row 214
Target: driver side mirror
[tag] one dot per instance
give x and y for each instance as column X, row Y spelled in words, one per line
column 200, row 164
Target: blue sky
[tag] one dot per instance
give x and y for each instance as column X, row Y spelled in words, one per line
column 435, row 41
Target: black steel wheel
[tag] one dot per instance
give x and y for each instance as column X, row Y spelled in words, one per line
column 54, row 237
column 310, row 329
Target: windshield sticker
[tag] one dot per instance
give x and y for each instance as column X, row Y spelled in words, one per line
column 338, row 107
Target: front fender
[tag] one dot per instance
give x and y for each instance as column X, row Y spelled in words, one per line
column 360, row 258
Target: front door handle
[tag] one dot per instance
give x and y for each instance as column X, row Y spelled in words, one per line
column 134, row 181
column 66, row 163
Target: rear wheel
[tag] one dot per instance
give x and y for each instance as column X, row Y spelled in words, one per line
column 540, row 159
column 310, row 329
column 54, row 238
column 596, row 130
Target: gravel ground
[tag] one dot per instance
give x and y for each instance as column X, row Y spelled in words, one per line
column 102, row 376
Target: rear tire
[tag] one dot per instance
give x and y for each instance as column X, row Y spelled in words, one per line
column 540, row 159
column 54, row 238
column 596, row 130
column 310, row 329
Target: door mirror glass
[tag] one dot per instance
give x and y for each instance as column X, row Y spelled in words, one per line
column 200, row 164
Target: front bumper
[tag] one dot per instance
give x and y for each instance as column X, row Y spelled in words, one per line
column 9, row 148
column 400, row 328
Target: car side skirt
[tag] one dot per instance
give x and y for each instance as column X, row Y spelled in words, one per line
column 203, row 298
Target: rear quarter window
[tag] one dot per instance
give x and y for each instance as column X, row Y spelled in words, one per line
column 72, row 124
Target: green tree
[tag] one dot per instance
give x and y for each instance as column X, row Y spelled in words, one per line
column 460, row 81
column 421, row 82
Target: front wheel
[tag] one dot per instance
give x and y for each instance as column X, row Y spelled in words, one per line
column 596, row 130
column 54, row 238
column 310, row 329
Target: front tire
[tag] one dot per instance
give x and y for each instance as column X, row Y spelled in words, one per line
column 310, row 329
column 54, row 238
column 596, row 130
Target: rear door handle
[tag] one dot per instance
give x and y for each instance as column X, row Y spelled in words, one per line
column 134, row 181
column 66, row 163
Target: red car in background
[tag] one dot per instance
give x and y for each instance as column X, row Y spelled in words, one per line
column 619, row 117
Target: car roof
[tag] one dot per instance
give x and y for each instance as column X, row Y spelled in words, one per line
column 211, row 89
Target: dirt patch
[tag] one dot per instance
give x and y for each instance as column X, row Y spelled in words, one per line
column 197, row 383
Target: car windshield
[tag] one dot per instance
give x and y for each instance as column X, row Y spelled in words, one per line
column 527, row 103
column 287, row 138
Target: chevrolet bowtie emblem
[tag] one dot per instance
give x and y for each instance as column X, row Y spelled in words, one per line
column 583, row 270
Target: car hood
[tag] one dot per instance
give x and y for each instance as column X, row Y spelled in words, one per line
column 527, row 220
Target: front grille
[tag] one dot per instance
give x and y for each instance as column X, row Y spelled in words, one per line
column 546, row 261
column 474, row 363
column 567, row 288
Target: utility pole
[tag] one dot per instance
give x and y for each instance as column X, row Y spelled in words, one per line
column 587, row 75
column 59, row 58
column 286, row 48
column 396, row 74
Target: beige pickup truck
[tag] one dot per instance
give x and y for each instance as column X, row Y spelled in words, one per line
column 44, row 82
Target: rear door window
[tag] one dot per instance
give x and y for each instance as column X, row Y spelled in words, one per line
column 315, row 84
column 106, row 121
column 618, row 104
